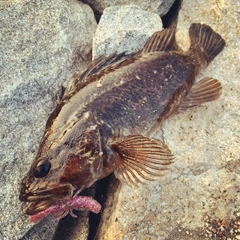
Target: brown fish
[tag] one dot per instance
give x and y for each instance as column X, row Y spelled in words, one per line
column 99, row 125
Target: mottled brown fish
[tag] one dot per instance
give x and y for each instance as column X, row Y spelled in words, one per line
column 99, row 125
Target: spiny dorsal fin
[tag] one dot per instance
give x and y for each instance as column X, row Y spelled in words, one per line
column 97, row 66
column 102, row 63
column 206, row 90
column 139, row 158
column 163, row 40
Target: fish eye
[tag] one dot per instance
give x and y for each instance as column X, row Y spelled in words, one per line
column 42, row 168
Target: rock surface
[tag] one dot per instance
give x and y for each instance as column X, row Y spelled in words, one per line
column 160, row 7
column 42, row 44
column 202, row 188
column 124, row 29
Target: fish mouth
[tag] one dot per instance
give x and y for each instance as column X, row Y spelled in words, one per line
column 42, row 199
column 37, row 207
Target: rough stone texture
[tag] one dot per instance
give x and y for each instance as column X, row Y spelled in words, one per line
column 204, row 180
column 160, row 7
column 124, row 29
column 42, row 44
column 74, row 228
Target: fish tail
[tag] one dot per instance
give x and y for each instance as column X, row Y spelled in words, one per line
column 205, row 43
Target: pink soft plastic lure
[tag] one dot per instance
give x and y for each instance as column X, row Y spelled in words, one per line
column 63, row 208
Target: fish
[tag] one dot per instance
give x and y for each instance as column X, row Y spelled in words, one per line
column 102, row 121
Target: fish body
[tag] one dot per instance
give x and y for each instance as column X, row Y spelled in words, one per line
column 100, row 124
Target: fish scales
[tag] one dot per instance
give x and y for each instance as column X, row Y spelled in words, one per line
column 115, row 102
column 150, row 86
column 120, row 104
column 100, row 122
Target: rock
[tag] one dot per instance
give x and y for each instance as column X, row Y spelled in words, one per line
column 204, row 181
column 74, row 228
column 124, row 29
column 160, row 7
column 42, row 44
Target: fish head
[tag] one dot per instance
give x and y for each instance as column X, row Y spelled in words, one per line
column 63, row 169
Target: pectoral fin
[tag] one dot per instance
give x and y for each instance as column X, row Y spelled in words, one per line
column 139, row 158
column 206, row 90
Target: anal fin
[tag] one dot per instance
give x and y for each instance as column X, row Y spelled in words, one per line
column 139, row 158
column 206, row 90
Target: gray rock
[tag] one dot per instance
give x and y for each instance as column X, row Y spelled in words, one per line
column 202, row 188
column 42, row 44
column 124, row 29
column 160, row 7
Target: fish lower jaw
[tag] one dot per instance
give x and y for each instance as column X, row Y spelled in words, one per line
column 38, row 204
column 36, row 207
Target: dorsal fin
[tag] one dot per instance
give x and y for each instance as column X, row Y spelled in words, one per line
column 163, row 40
column 97, row 66
column 101, row 63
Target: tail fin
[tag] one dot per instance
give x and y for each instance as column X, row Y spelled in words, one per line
column 204, row 40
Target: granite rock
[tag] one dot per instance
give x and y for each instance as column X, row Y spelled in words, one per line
column 124, row 29
column 160, row 7
column 42, row 44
